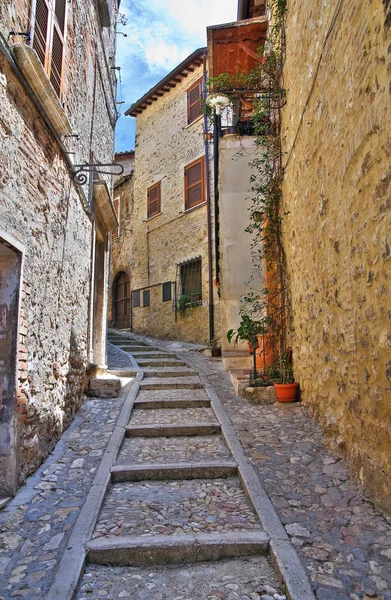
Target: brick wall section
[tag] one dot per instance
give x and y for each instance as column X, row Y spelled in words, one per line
column 165, row 144
column 336, row 136
column 42, row 208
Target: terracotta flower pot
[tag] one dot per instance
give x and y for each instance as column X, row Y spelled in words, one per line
column 286, row 392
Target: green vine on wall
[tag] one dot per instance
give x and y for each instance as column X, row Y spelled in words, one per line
column 266, row 300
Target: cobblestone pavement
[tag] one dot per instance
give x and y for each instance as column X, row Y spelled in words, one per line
column 173, row 450
column 36, row 525
column 344, row 542
column 163, row 416
column 244, row 579
column 175, row 508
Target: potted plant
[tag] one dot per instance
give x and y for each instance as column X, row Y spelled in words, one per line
column 215, row 347
column 247, row 331
column 281, row 374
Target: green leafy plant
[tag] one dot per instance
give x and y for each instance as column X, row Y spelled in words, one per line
column 247, row 331
column 215, row 343
column 282, row 371
column 186, row 301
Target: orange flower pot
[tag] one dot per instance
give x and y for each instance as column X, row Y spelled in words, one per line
column 286, row 392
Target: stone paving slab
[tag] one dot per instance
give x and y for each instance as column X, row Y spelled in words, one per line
column 160, row 362
column 196, row 449
column 172, row 415
column 176, row 508
column 242, row 579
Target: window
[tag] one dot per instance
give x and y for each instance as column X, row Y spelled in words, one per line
column 166, row 291
column 146, row 298
column 191, row 280
column 195, row 183
column 194, row 106
column 115, row 232
column 153, row 200
column 48, row 31
column 136, row 298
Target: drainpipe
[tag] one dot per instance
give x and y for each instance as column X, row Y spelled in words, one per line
column 216, row 144
column 209, row 213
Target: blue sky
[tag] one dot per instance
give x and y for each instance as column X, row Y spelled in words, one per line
column 160, row 34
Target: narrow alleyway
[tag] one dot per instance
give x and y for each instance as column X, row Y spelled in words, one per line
column 159, row 476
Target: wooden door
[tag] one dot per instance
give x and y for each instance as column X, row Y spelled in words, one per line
column 122, row 302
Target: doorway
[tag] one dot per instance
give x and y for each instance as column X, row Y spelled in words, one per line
column 122, row 301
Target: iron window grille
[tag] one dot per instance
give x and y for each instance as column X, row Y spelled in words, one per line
column 191, row 282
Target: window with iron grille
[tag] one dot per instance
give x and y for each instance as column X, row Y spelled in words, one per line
column 136, row 299
column 146, row 298
column 166, row 291
column 191, row 285
column 153, row 200
column 48, row 21
column 195, row 183
column 194, row 97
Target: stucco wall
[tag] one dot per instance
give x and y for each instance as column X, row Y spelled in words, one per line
column 42, row 209
column 336, row 139
column 165, row 144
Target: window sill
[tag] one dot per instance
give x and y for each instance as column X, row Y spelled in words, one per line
column 188, row 210
column 31, row 67
column 197, row 120
column 153, row 217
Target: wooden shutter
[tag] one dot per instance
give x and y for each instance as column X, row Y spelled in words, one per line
column 57, row 54
column 41, row 26
column 194, row 107
column 146, row 298
column 115, row 232
column 195, row 183
column 166, row 291
column 49, row 22
column 153, row 200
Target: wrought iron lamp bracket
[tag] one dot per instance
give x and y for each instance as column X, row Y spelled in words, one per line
column 80, row 177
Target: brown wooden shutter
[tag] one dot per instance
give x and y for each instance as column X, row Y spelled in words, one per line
column 153, row 200
column 194, row 106
column 41, row 22
column 57, row 55
column 194, row 183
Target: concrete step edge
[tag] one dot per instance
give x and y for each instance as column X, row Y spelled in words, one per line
column 181, row 385
column 171, row 471
column 178, row 549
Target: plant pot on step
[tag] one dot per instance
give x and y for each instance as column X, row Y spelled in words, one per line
column 215, row 352
column 286, row 392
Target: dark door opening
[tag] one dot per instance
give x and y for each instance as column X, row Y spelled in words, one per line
column 122, row 301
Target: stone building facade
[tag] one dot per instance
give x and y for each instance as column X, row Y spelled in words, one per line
column 119, row 313
column 172, row 276
column 336, row 139
column 57, row 110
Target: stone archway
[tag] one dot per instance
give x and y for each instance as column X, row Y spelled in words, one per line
column 121, row 297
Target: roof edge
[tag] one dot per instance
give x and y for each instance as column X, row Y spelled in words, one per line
column 138, row 106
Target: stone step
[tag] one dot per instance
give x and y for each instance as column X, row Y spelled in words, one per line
column 139, row 354
column 178, row 383
column 166, row 471
column 151, row 550
column 190, row 429
column 158, row 362
column 123, row 372
column 170, row 403
column 169, row 372
column 173, row 394
column 146, row 349
column 172, row 416
column 191, row 507
column 177, row 450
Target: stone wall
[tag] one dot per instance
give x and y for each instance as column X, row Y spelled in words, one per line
column 165, row 144
column 47, row 215
column 336, row 140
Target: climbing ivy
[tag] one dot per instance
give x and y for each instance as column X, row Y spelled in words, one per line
column 266, row 299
